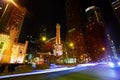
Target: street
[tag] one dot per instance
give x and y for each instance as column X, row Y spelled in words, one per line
column 98, row 72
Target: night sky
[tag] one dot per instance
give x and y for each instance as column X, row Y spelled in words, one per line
column 43, row 13
column 50, row 12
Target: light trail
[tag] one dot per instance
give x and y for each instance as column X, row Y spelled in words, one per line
column 38, row 72
column 48, row 70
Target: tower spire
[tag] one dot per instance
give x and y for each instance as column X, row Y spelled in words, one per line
column 58, row 40
column 58, row 46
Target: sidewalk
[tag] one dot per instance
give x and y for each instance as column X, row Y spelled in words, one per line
column 21, row 69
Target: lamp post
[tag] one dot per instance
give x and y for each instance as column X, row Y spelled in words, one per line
column 101, row 54
column 43, row 39
column 103, row 49
column 104, row 52
column 71, row 45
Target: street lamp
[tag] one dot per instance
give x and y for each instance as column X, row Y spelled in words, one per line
column 71, row 45
column 44, row 38
column 103, row 49
column 12, row 1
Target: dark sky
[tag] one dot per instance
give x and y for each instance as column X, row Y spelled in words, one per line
column 50, row 12
column 43, row 12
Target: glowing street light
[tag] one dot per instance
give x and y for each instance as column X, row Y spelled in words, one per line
column 71, row 45
column 103, row 49
column 12, row 1
column 44, row 38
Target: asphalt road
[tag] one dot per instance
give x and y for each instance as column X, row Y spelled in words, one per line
column 99, row 72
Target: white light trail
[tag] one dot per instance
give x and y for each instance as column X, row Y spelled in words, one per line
column 48, row 70
column 38, row 72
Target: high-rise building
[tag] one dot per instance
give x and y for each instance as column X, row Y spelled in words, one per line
column 74, row 14
column 75, row 22
column 94, row 14
column 12, row 16
column 116, row 7
column 95, row 34
column 11, row 19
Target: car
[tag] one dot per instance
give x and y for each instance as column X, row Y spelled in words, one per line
column 114, row 64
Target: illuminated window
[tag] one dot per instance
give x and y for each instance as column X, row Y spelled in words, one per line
column 1, row 45
column 21, row 51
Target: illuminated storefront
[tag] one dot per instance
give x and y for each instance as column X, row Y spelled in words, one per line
column 18, row 53
column 11, row 53
column 4, row 46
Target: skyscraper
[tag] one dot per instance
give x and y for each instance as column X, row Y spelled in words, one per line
column 75, row 23
column 94, row 14
column 74, row 14
column 95, row 33
column 12, row 17
column 116, row 7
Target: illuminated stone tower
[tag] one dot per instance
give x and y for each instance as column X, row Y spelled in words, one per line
column 58, row 41
column 58, row 45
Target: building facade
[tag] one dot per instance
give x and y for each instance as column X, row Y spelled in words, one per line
column 75, row 24
column 11, row 19
column 94, row 14
column 116, row 7
column 95, row 34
